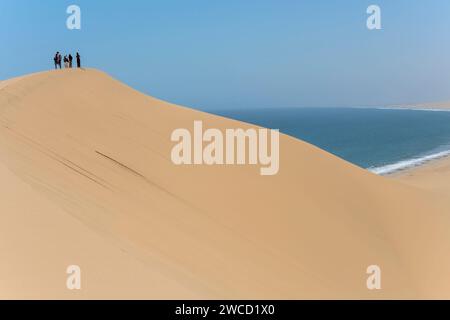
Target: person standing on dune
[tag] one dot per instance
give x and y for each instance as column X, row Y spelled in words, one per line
column 70, row 60
column 59, row 60
column 78, row 60
column 55, row 59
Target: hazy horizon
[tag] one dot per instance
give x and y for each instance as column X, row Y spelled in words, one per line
column 257, row 54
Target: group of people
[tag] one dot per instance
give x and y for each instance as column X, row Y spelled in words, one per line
column 67, row 60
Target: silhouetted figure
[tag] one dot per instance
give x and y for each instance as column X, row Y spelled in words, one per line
column 78, row 60
column 66, row 62
column 55, row 59
column 59, row 60
column 70, row 60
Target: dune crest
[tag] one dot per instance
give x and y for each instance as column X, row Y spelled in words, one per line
column 88, row 180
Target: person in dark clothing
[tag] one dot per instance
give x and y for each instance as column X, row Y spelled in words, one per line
column 70, row 60
column 78, row 60
column 55, row 59
column 59, row 60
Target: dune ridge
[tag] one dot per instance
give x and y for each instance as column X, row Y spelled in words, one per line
column 87, row 180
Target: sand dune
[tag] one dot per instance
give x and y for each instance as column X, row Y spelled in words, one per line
column 87, row 179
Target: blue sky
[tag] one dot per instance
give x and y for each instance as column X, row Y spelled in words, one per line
column 243, row 54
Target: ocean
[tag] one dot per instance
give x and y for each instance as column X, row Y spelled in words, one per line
column 381, row 140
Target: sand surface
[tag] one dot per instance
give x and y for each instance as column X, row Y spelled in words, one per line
column 86, row 179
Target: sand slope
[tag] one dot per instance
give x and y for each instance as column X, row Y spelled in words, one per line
column 87, row 179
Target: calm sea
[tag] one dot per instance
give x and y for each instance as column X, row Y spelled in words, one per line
column 381, row 140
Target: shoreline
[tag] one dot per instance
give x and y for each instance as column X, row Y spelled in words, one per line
column 409, row 164
column 421, row 163
column 411, row 170
column 433, row 176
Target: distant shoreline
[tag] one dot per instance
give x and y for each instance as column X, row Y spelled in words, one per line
column 411, row 107
column 433, row 106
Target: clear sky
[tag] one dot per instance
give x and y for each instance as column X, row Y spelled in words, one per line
column 243, row 53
